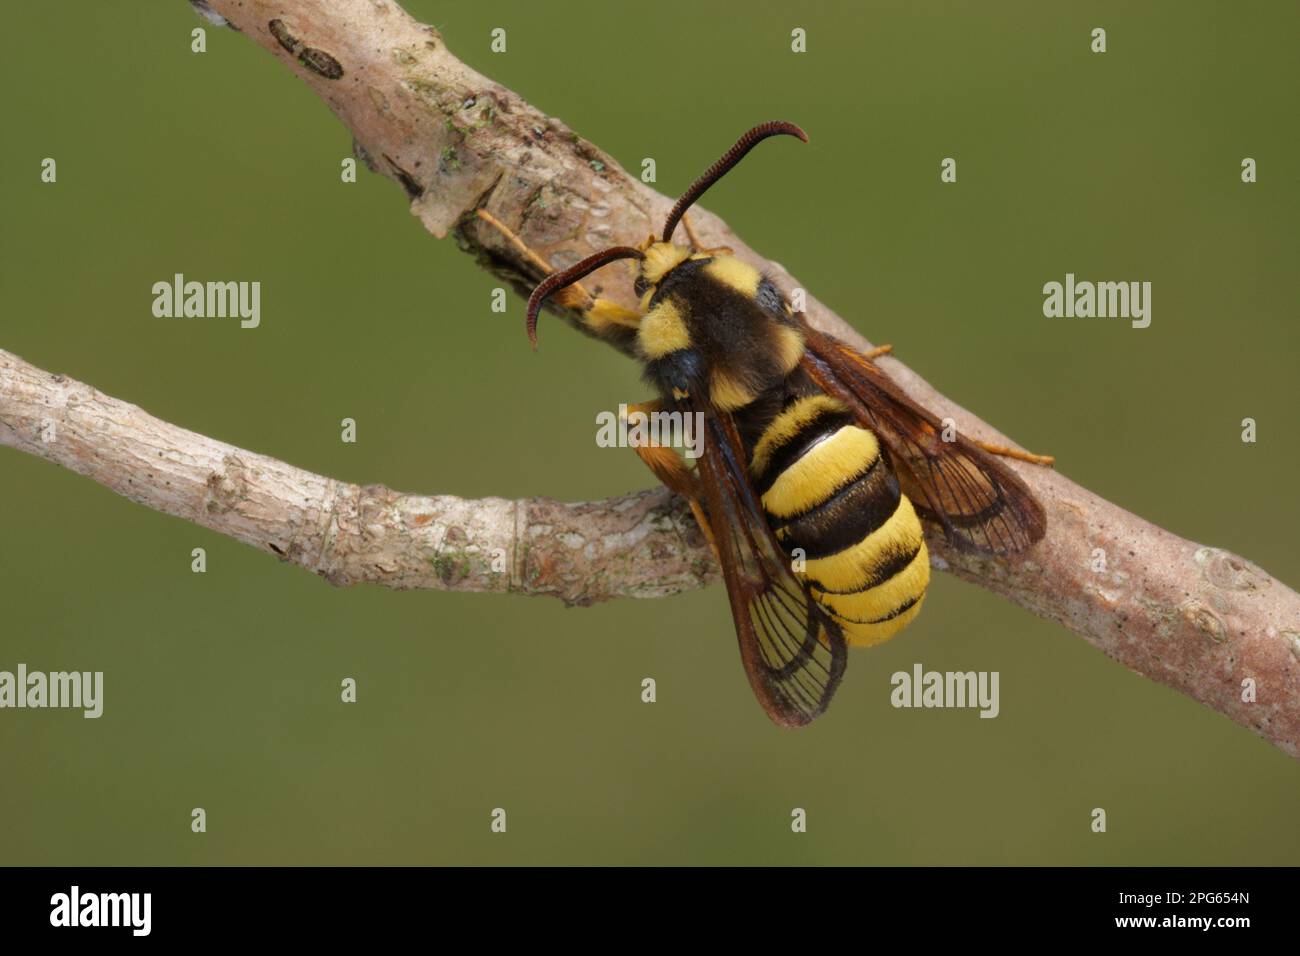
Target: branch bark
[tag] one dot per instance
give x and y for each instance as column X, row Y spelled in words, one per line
column 1198, row 619
column 643, row 544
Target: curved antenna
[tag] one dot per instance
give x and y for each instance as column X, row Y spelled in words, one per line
column 721, row 167
column 558, row 280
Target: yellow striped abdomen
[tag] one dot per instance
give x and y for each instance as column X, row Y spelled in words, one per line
column 829, row 491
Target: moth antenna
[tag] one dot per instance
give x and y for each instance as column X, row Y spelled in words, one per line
column 558, row 280
column 729, row 159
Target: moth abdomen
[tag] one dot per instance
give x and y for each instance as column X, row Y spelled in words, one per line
column 834, row 503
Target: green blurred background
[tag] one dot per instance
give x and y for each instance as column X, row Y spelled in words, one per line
column 222, row 690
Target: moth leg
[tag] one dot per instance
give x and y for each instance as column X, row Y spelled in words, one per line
column 1008, row 452
column 598, row 313
column 668, row 467
column 694, row 240
column 601, row 313
column 878, row 351
column 691, row 237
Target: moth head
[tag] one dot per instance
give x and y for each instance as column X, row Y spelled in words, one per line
column 658, row 256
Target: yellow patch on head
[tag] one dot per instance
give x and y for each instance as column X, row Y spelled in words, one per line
column 851, row 569
column 827, row 467
column 787, row 424
column 660, row 258
column 732, row 272
column 663, row 331
column 727, row 393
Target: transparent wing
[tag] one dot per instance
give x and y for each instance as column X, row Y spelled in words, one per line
column 794, row 655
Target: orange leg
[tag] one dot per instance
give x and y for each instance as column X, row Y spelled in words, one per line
column 878, row 351
column 669, row 468
column 696, row 245
column 1007, row 451
column 596, row 312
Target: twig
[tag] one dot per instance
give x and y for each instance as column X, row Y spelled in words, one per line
column 643, row 544
column 1200, row 620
